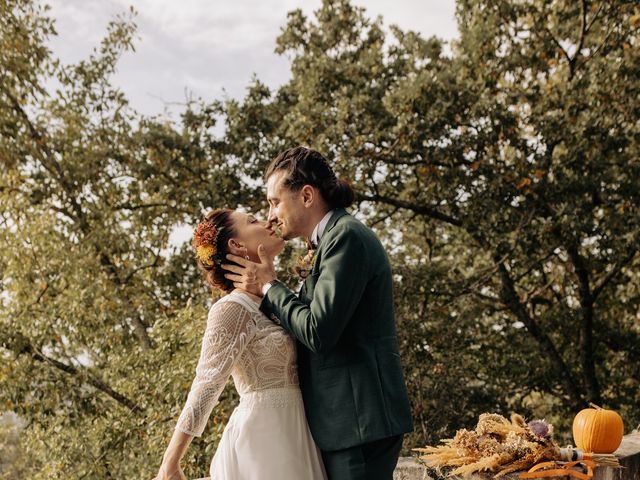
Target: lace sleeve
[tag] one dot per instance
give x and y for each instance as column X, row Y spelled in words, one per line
column 229, row 329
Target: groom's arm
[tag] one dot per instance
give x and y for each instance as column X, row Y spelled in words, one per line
column 343, row 276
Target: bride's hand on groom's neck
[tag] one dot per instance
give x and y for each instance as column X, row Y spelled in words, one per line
column 250, row 276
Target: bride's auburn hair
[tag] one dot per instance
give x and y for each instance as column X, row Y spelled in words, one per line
column 210, row 243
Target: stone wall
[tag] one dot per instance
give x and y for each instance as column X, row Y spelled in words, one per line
column 628, row 455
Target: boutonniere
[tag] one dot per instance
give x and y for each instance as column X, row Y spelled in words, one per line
column 304, row 264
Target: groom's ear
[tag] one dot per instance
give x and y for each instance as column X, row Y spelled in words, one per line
column 309, row 195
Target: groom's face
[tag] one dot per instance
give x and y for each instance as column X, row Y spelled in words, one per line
column 286, row 207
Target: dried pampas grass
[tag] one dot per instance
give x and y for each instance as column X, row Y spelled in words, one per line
column 497, row 445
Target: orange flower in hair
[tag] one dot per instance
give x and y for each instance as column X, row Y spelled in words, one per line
column 206, row 234
column 205, row 240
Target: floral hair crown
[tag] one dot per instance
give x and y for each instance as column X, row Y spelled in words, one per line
column 205, row 242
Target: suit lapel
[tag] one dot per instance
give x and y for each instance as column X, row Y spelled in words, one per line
column 340, row 212
column 333, row 220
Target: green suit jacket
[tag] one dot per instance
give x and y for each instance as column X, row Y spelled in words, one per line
column 348, row 358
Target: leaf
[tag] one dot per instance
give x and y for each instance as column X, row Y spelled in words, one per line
column 525, row 182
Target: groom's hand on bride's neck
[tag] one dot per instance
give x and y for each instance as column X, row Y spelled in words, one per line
column 248, row 275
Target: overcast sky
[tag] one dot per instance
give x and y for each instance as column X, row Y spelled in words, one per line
column 209, row 47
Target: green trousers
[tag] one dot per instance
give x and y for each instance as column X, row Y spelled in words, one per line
column 371, row 461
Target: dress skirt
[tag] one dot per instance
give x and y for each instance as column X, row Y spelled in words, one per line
column 268, row 438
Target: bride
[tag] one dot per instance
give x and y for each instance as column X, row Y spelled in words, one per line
column 267, row 436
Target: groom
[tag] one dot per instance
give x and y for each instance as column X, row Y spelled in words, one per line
column 349, row 365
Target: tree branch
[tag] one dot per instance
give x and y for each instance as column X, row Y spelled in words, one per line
column 383, row 218
column 20, row 344
column 51, row 165
column 143, row 267
column 616, row 269
column 510, row 298
column 130, row 206
column 587, row 300
column 421, row 209
column 586, row 329
column 595, row 16
column 598, row 48
column 139, row 328
column 583, row 31
column 560, row 47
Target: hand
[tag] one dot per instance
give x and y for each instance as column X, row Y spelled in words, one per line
column 248, row 275
column 170, row 473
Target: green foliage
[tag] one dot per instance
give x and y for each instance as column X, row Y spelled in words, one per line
column 500, row 171
column 98, row 344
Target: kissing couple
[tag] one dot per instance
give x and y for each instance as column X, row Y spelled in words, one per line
column 322, row 394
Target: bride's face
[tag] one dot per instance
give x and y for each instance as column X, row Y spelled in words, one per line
column 250, row 233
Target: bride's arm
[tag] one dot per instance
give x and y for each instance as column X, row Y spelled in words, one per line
column 170, row 468
column 229, row 328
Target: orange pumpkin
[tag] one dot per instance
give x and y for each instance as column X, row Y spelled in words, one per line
column 597, row 430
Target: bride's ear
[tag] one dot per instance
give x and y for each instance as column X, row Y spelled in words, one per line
column 236, row 247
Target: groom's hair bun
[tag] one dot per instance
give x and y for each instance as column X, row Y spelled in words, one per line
column 304, row 166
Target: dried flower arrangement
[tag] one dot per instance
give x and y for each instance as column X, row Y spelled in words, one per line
column 500, row 446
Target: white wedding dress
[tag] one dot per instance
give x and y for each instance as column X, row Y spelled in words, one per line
column 267, row 437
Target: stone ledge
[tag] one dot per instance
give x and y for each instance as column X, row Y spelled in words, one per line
column 628, row 454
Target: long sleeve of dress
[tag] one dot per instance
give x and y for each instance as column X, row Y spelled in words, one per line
column 230, row 327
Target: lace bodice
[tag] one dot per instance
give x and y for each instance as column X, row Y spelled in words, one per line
column 241, row 341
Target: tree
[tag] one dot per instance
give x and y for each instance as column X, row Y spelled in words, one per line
column 503, row 178
column 500, row 172
column 97, row 340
